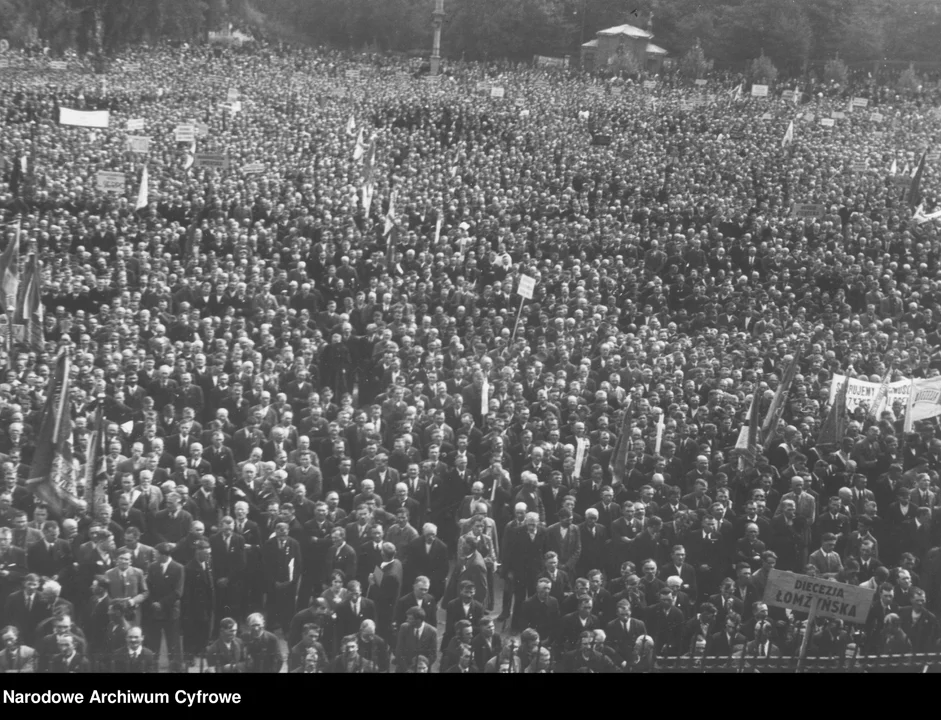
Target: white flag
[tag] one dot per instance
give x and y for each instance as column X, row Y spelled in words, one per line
column 190, row 156
column 390, row 215
column 351, row 127
column 360, row 150
column 919, row 218
column 788, row 135
column 368, row 191
column 143, row 192
column 895, row 168
column 438, row 225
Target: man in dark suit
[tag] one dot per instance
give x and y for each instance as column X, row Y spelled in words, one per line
column 162, row 607
column 706, row 555
column 594, row 538
column 416, row 637
column 352, row 611
column 722, row 644
column 571, row 626
column 12, row 565
column 228, row 568
column 369, row 554
column 463, row 607
column 702, row 625
column 25, row 609
column 664, row 623
column 428, row 556
column 541, row 612
column 52, row 556
column 486, row 645
column 134, row 658
column 419, row 597
column 199, row 600
column 227, row 655
column 680, row 568
column 340, row 557
column 171, row 524
column 141, row 555
column 915, row 534
column 919, row 625
column 385, row 586
column 282, row 562
column 561, row 582
column 261, row 646
column 525, row 561
column 67, row 659
column 621, row 633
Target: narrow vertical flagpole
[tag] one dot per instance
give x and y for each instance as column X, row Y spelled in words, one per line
column 805, row 642
column 519, row 314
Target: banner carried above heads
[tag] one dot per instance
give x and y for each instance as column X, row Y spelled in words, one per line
column 184, row 133
column 217, row 161
column 863, row 392
column 818, row 596
column 138, row 144
column 84, row 118
column 135, row 125
column 759, row 91
column 111, row 181
column 924, row 400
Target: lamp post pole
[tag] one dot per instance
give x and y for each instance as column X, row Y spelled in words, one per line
column 438, row 20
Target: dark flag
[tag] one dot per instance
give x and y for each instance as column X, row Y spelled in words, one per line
column 835, row 425
column 29, row 309
column 914, row 191
column 52, row 477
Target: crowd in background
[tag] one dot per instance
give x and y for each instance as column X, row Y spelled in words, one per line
column 332, row 446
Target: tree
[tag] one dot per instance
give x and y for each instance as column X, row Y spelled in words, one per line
column 693, row 65
column 835, row 71
column 909, row 80
column 763, row 70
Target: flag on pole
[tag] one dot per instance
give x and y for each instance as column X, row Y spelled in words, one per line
column 924, row 401
column 619, row 457
column 10, row 273
column 882, row 394
column 834, row 426
column 143, row 192
column 659, row 440
column 351, row 126
column 360, row 149
column 748, row 436
column 369, row 190
column 51, row 477
column 94, row 456
column 191, row 155
column 894, row 168
column 735, row 93
column 438, row 224
column 369, row 165
column 390, row 214
column 788, row 135
column 914, row 192
column 770, row 425
column 29, row 310
column 920, row 218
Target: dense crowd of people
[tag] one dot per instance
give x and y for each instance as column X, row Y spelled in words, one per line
column 332, row 446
